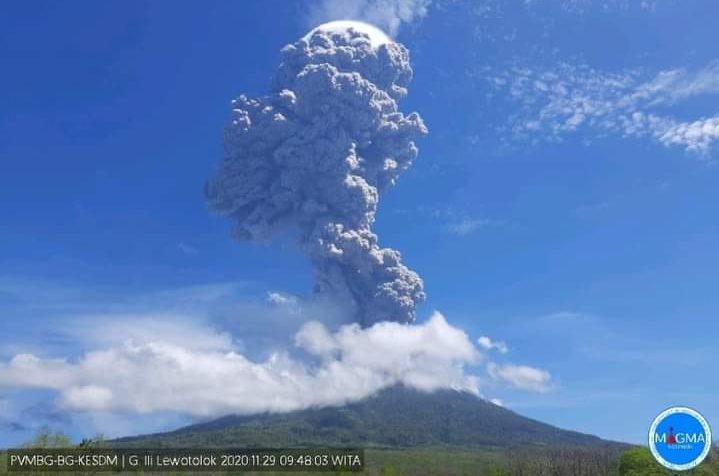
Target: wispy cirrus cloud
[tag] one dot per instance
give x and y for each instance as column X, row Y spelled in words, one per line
column 186, row 248
column 455, row 221
column 569, row 99
column 467, row 226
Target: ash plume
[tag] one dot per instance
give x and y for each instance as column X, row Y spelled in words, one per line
column 314, row 156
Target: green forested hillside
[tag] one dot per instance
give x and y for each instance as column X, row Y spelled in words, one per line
column 410, row 433
column 517, row 461
column 394, row 418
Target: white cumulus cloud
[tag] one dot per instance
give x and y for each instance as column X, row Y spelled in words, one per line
column 278, row 298
column 497, row 401
column 520, row 376
column 488, row 344
column 388, row 15
column 154, row 375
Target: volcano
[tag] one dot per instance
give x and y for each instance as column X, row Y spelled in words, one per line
column 397, row 417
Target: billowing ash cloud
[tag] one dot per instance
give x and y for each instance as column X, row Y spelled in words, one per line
column 316, row 153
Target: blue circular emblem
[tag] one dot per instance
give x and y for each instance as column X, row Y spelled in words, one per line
column 680, row 438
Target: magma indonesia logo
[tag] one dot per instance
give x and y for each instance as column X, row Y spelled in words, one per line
column 680, row 438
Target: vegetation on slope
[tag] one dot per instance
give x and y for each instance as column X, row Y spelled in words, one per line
column 590, row 461
column 395, row 418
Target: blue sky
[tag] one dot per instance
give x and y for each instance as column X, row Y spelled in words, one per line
column 563, row 203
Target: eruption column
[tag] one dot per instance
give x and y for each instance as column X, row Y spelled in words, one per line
column 315, row 154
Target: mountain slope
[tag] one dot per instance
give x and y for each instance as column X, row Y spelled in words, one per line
column 397, row 417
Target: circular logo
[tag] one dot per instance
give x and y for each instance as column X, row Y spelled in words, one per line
column 680, row 438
